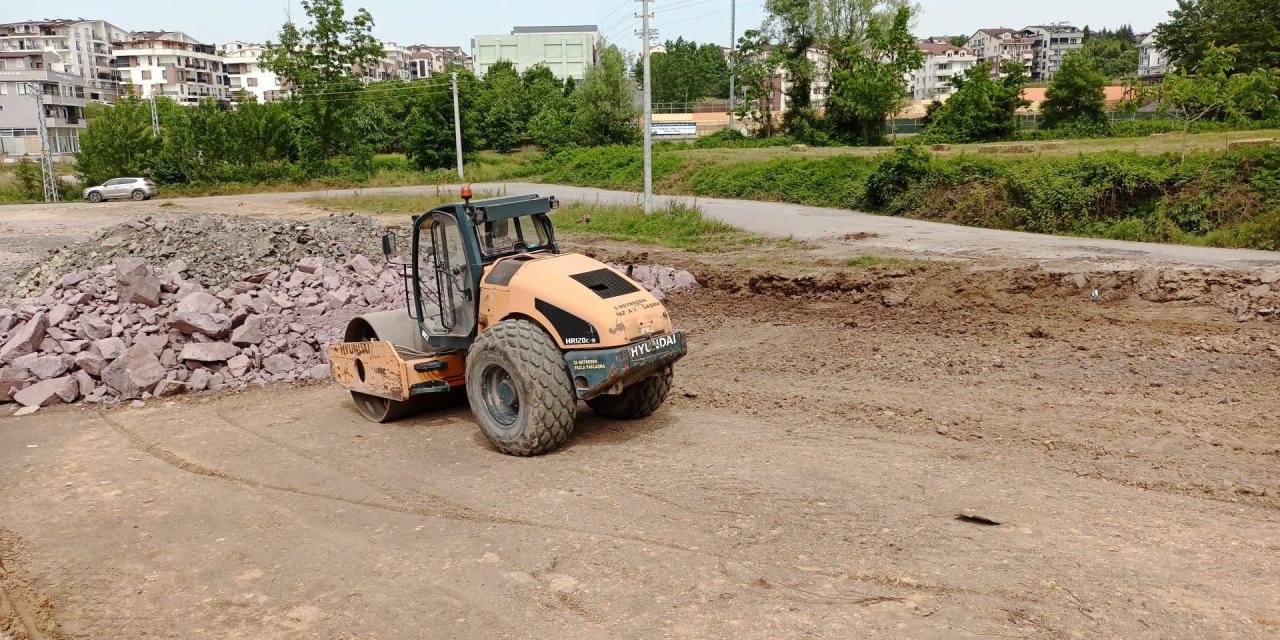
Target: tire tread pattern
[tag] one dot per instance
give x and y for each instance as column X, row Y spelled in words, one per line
column 637, row 401
column 548, row 404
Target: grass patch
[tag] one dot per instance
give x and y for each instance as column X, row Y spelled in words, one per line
column 676, row 226
column 870, row 262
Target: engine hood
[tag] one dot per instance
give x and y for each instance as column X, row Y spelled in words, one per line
column 582, row 302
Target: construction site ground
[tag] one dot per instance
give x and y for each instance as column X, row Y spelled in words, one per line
column 833, row 461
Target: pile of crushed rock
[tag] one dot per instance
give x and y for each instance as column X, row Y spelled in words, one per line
column 130, row 331
column 216, row 249
column 136, row 328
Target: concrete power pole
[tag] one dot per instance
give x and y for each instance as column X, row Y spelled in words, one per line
column 733, row 49
column 48, row 174
column 648, row 110
column 457, row 124
column 155, row 117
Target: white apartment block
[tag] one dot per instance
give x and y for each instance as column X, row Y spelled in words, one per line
column 819, row 88
column 567, row 50
column 22, row 75
column 172, row 64
column 1153, row 62
column 1000, row 48
column 81, row 48
column 429, row 61
column 396, row 64
column 942, row 62
column 1050, row 44
column 245, row 73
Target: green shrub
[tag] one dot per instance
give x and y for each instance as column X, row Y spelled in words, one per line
column 895, row 175
column 1219, row 198
column 613, row 167
column 838, row 181
column 29, row 179
column 730, row 139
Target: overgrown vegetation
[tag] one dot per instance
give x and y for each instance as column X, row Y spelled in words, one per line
column 1229, row 199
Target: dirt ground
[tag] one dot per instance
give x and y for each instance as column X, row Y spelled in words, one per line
column 805, row 480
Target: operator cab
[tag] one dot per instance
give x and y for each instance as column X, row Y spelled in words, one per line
column 452, row 246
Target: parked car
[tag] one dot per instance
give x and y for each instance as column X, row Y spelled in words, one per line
column 119, row 188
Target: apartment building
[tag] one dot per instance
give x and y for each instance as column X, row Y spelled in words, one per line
column 172, row 64
column 819, row 88
column 1000, row 48
column 396, row 64
column 245, row 74
column 1050, row 44
column 23, row 73
column 567, row 50
column 1153, row 62
column 429, row 60
column 81, row 48
column 942, row 62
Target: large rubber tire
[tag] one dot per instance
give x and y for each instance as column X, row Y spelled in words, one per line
column 95, row 196
column 519, row 389
column 138, row 195
column 637, row 401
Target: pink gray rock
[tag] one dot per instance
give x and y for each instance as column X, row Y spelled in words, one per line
column 136, row 283
column 208, row 352
column 49, row 392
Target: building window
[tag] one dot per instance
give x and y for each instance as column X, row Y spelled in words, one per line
column 253, row 82
column 146, row 74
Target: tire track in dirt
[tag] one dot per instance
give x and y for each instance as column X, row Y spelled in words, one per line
column 460, row 513
column 25, row 613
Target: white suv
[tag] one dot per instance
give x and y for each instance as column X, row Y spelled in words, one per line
column 138, row 189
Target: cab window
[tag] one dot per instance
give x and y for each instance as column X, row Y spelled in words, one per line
column 513, row 235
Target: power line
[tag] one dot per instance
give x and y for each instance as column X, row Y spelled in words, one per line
column 686, row 4
column 712, row 13
column 624, row 4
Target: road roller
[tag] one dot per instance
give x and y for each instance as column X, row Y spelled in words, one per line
column 497, row 315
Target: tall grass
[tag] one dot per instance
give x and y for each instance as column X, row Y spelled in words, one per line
column 677, row 226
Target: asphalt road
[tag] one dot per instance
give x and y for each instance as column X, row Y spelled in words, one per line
column 882, row 234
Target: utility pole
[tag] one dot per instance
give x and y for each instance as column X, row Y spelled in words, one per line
column 48, row 175
column 457, row 124
column 733, row 50
column 648, row 111
column 155, row 116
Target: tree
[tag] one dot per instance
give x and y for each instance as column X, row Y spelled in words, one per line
column 380, row 116
column 981, row 108
column 321, row 63
column 867, row 87
column 500, row 107
column 1196, row 26
column 604, row 107
column 1114, row 53
column 552, row 127
column 540, row 86
column 756, row 67
column 118, row 143
column 839, row 28
column 1075, row 96
column 429, row 140
column 959, row 41
column 792, row 25
column 569, row 86
column 1213, row 91
column 686, row 72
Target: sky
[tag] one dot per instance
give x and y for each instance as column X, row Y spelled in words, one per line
column 454, row 23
